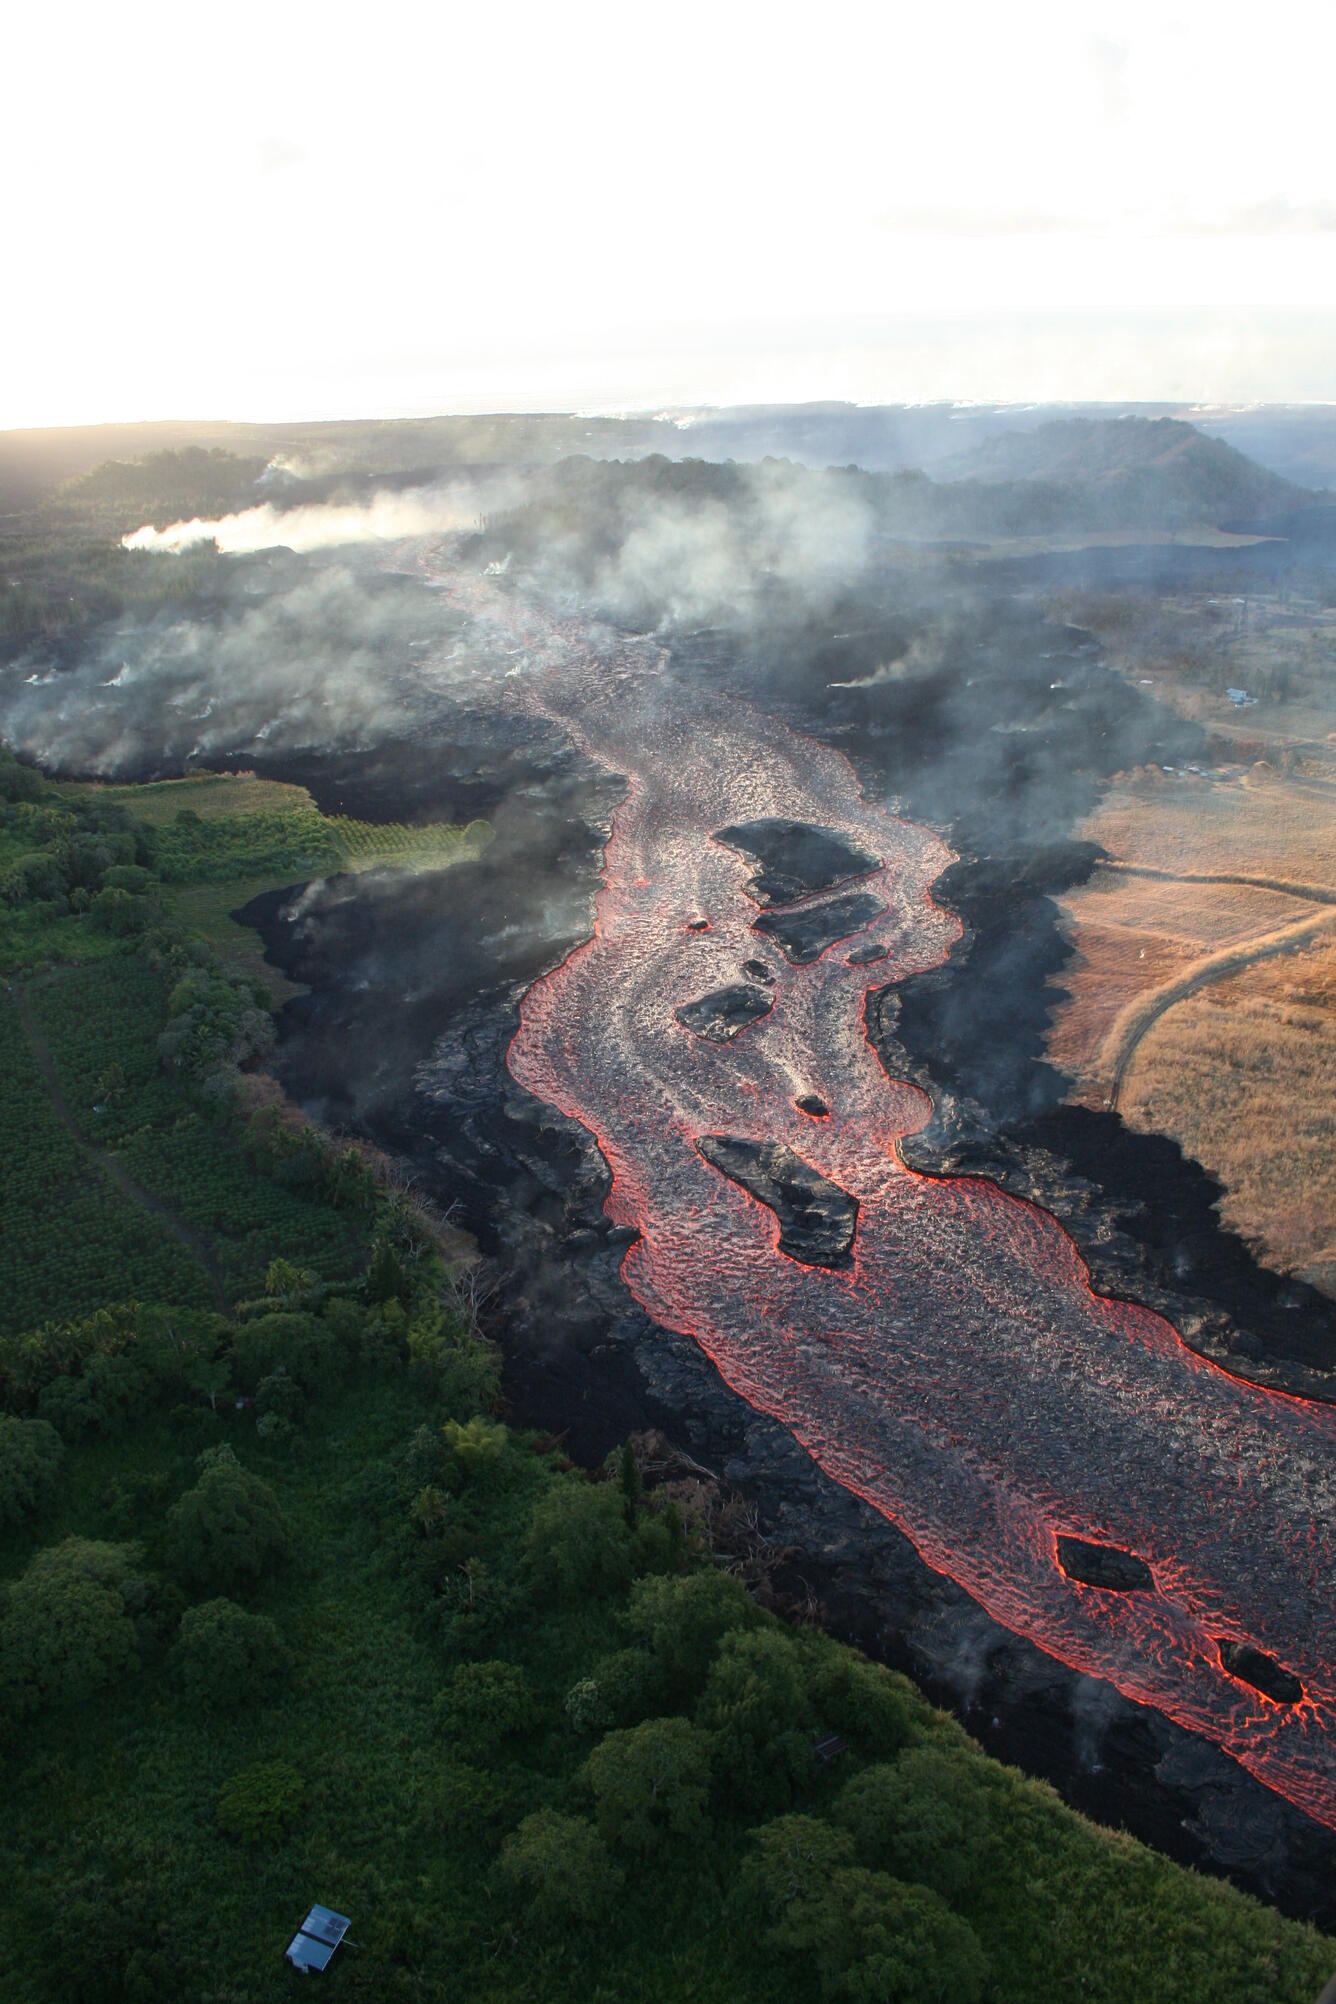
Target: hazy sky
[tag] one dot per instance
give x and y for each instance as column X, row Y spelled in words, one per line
column 289, row 210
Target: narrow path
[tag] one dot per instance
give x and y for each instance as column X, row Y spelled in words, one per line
column 107, row 1162
column 1122, row 1043
column 1311, row 894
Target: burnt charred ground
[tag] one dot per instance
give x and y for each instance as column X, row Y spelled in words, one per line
column 414, row 995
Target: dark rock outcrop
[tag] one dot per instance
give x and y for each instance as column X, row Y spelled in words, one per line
column 805, row 934
column 817, row 1219
column 722, row 1013
column 1106, row 1566
column 1255, row 1667
column 795, row 859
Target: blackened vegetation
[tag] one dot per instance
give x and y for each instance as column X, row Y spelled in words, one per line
column 805, row 934
column 796, row 860
column 817, row 1219
column 722, row 1013
column 1104, row 1566
column 1255, row 1667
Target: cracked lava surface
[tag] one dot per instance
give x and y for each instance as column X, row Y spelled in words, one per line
column 958, row 1374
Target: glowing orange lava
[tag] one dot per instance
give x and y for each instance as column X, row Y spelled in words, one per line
column 960, row 1375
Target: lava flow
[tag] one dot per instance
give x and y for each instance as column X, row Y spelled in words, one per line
column 957, row 1373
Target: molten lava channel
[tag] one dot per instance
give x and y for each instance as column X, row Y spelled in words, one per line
column 958, row 1373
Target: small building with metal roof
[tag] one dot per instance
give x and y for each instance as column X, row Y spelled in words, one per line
column 315, row 1941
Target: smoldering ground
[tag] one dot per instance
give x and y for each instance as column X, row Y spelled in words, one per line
column 297, row 654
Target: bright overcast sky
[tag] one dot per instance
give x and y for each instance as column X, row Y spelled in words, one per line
column 295, row 211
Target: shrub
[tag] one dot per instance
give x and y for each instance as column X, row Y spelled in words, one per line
column 875, row 1709
column 485, row 1703
column 929, row 1816
column 560, row 1867
column 226, row 1657
column 651, row 1781
column 228, row 1529
column 477, row 1444
column 682, row 1622
column 30, row 1456
column 260, row 1802
column 301, row 1346
column 867, row 1937
column 756, row 1706
column 66, row 1632
column 578, row 1543
column 620, row 1690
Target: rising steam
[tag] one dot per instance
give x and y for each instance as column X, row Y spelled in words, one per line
column 386, row 518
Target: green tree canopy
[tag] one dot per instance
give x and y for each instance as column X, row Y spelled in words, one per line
column 262, row 1801
column 929, row 1816
column 651, row 1781
column 65, row 1631
column 867, row 1937
column 682, row 1619
column 484, row 1704
column 578, row 1542
column 228, row 1529
column 755, row 1705
column 875, row 1940
column 30, row 1455
column 226, row 1657
column 560, row 1868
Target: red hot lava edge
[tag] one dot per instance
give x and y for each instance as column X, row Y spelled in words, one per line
column 960, row 1374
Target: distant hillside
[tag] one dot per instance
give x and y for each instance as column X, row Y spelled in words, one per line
column 1133, row 471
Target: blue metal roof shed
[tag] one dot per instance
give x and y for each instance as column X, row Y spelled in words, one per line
column 315, row 1941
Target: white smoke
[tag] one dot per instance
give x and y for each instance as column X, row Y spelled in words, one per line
column 385, row 518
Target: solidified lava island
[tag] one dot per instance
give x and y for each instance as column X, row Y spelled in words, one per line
column 1094, row 1484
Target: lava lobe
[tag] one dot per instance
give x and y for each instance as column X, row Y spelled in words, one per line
column 864, row 956
column 811, row 1103
column 1106, row 1566
column 816, row 1218
column 796, row 860
column 804, row 935
column 724, row 1011
column 1255, row 1667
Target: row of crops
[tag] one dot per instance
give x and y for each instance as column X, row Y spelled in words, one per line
column 101, row 1026
column 294, row 840
column 69, row 1239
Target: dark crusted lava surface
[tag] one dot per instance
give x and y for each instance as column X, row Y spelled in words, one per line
column 722, row 1013
column 796, row 860
column 804, row 934
column 1104, row 1566
column 817, row 1220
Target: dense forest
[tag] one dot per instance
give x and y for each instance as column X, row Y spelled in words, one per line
column 292, row 1611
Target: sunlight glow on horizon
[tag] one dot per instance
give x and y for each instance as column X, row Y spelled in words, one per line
column 274, row 216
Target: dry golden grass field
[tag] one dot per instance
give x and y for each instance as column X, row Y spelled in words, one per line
column 1207, row 1009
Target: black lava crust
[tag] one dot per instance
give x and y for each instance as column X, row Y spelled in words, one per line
column 817, row 1219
